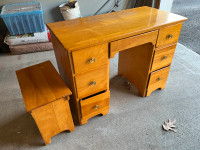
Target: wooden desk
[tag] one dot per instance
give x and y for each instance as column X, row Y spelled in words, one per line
column 145, row 39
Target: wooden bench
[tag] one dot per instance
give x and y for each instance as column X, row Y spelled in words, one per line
column 46, row 98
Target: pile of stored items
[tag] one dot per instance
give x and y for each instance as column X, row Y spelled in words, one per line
column 30, row 42
column 27, row 31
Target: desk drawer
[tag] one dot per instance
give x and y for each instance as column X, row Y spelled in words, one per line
column 168, row 35
column 163, row 57
column 133, row 41
column 90, row 58
column 157, row 80
column 95, row 105
column 92, row 82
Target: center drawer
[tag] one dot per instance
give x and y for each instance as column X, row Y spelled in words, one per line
column 95, row 105
column 123, row 44
column 92, row 82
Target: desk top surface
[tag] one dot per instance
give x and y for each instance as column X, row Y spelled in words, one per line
column 93, row 30
column 41, row 84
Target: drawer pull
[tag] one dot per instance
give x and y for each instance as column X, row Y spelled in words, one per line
column 96, row 107
column 93, row 83
column 92, row 60
column 159, row 78
column 164, row 57
column 169, row 36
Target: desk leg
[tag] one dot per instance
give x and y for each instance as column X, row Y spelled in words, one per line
column 134, row 64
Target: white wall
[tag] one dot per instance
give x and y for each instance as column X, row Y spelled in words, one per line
column 166, row 5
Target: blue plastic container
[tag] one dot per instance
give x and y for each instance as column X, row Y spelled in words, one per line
column 23, row 18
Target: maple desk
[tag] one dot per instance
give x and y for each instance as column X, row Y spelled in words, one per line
column 145, row 39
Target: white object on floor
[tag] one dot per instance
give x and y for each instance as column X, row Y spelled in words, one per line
column 169, row 125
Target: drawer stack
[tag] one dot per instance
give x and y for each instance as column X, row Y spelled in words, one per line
column 91, row 76
column 163, row 55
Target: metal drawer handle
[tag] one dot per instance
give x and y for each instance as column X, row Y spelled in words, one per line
column 92, row 60
column 93, row 83
column 164, row 57
column 159, row 79
column 169, row 36
column 96, row 107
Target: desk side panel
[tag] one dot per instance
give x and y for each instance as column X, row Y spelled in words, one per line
column 65, row 66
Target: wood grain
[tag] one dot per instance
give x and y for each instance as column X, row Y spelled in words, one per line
column 157, row 80
column 66, row 70
column 133, row 41
column 94, row 30
column 53, row 118
column 41, row 84
column 165, row 32
column 84, row 82
column 133, row 33
column 46, row 98
column 83, row 58
column 163, row 57
column 134, row 64
column 93, row 106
